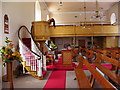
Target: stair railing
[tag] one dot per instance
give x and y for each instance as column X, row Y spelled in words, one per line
column 32, row 58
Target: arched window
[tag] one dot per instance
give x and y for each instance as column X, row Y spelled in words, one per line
column 6, row 24
column 113, row 18
column 37, row 11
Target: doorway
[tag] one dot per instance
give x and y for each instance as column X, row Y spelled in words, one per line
column 81, row 43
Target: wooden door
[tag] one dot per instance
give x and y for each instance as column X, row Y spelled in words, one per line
column 81, row 43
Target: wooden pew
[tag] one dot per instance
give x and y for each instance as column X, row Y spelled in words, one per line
column 113, row 53
column 102, row 51
column 112, row 75
column 89, row 55
column 82, row 79
column 74, row 54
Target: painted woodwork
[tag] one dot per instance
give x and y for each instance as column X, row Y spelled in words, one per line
column 67, row 58
column 41, row 30
column 95, row 30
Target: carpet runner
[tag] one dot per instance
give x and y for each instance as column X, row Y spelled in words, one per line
column 57, row 79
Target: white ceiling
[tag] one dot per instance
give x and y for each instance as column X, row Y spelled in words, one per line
column 78, row 6
column 59, row 0
column 66, row 14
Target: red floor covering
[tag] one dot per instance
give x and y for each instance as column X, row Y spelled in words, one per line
column 58, row 66
column 57, row 79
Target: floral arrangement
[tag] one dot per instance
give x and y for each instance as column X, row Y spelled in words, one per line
column 8, row 53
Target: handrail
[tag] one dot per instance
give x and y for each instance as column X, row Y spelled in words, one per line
column 23, row 26
column 34, row 40
column 44, row 43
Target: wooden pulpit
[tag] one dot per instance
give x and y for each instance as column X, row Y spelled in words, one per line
column 67, row 58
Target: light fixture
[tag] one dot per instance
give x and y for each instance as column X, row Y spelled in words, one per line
column 85, row 22
column 60, row 3
column 98, row 15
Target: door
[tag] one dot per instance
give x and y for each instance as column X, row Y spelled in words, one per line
column 81, row 43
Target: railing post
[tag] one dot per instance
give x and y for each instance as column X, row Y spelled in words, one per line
column 44, row 63
column 39, row 68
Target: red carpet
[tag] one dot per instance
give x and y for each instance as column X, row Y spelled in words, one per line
column 57, row 79
column 58, row 66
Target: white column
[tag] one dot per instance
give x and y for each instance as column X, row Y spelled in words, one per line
column 39, row 71
column 37, row 11
column 44, row 63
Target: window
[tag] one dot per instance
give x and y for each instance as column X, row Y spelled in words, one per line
column 113, row 18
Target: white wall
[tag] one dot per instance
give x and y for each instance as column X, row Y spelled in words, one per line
column 19, row 14
column 44, row 11
column 113, row 9
column 1, row 31
column 0, row 44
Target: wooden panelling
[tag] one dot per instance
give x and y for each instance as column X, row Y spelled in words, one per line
column 62, row 31
column 67, row 58
column 111, row 42
column 96, row 30
column 41, row 30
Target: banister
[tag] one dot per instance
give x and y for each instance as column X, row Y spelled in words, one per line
column 23, row 26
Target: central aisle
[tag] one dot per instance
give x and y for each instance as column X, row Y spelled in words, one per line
column 57, row 79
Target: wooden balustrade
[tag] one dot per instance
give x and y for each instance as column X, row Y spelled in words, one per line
column 98, row 30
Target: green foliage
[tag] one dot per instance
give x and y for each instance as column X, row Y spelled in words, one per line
column 52, row 46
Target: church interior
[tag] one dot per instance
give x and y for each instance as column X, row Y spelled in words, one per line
column 51, row 44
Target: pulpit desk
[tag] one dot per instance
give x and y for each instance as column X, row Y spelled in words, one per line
column 67, row 58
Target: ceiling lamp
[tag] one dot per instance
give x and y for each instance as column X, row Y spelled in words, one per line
column 85, row 23
column 98, row 15
column 60, row 3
